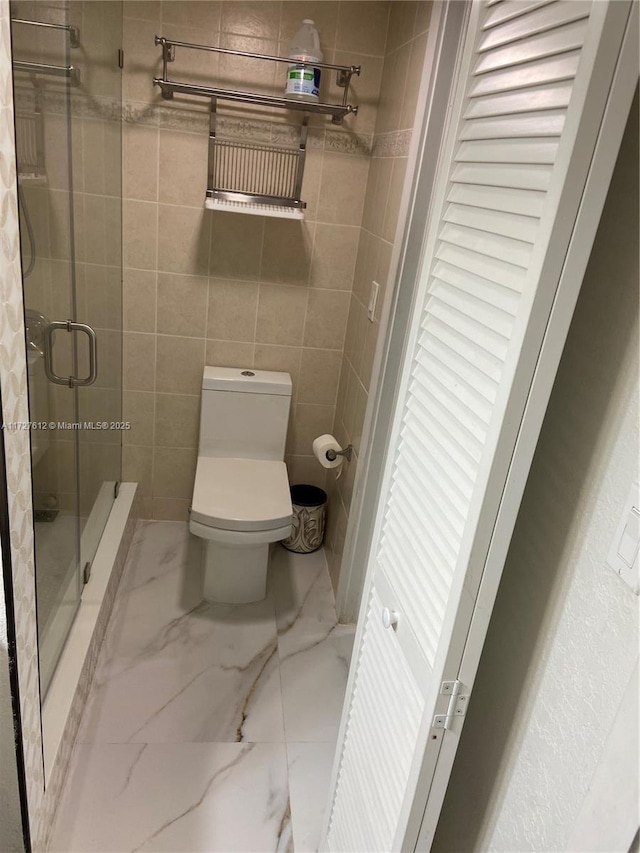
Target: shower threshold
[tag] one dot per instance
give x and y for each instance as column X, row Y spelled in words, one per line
column 72, row 677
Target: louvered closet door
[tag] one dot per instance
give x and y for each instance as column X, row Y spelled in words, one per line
column 513, row 166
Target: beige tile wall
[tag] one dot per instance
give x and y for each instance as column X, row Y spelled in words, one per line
column 403, row 63
column 204, row 287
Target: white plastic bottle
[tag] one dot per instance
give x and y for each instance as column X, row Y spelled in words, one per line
column 303, row 81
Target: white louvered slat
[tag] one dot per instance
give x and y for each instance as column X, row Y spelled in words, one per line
column 482, row 266
column 383, row 723
column 540, row 151
column 438, row 507
column 530, row 177
column 396, row 553
column 538, row 21
column 554, row 95
column 393, row 554
column 485, row 338
column 496, row 246
column 456, row 408
column 508, row 9
column 561, row 40
column 437, row 545
column 449, row 447
column 437, row 548
column 447, row 362
column 486, row 363
column 475, row 366
column 449, row 375
column 542, row 71
column 437, row 551
column 523, row 202
column 454, row 494
column 454, row 268
column 437, row 451
column 543, row 123
column 492, row 222
column 431, row 399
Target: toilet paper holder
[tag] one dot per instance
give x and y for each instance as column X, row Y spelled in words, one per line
column 332, row 455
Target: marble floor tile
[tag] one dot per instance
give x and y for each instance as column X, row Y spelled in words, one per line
column 310, row 766
column 303, row 596
column 158, row 547
column 162, row 581
column 313, row 650
column 176, row 669
column 314, row 679
column 182, row 798
column 205, row 720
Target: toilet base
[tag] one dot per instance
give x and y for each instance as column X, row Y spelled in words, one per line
column 235, row 575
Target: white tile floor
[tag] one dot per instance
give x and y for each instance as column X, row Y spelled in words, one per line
column 208, row 728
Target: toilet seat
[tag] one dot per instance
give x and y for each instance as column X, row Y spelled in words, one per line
column 242, row 495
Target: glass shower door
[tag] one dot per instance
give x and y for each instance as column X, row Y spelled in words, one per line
column 43, row 148
column 67, row 82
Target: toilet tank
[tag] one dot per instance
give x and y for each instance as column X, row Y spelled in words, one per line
column 244, row 413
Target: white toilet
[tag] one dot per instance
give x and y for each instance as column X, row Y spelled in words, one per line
column 241, row 501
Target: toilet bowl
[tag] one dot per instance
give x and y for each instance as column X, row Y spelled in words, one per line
column 241, row 501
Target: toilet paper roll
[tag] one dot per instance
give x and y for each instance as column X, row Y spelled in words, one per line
column 320, row 446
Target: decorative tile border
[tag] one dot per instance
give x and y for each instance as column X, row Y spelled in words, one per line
column 394, row 144
column 13, row 381
column 346, row 142
column 193, row 117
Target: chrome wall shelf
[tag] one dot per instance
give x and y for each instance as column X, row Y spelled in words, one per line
column 169, row 87
column 251, row 178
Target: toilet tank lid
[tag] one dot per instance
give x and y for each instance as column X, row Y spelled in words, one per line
column 247, row 380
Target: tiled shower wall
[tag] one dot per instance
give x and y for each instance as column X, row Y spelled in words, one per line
column 205, row 287
column 402, row 74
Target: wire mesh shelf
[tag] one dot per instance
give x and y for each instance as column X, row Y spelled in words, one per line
column 30, row 146
column 255, row 178
column 256, row 170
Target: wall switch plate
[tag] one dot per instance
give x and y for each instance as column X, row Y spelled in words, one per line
column 623, row 556
column 373, row 298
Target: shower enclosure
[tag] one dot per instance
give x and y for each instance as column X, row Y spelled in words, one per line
column 67, row 90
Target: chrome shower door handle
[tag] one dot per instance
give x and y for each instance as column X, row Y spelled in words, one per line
column 70, row 326
column 93, row 353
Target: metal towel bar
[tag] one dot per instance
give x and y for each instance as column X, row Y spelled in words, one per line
column 69, row 71
column 74, row 32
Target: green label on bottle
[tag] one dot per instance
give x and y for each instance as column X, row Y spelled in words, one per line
column 301, row 74
column 303, row 80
